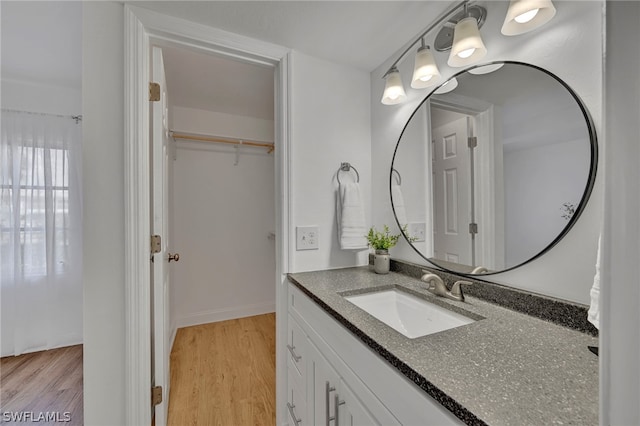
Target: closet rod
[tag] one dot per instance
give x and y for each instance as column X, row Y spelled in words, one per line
column 217, row 139
column 78, row 118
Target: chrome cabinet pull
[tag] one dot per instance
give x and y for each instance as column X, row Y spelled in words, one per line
column 295, row 356
column 293, row 413
column 338, row 403
column 327, row 390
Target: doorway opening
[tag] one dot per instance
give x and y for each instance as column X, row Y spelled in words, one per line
column 213, row 138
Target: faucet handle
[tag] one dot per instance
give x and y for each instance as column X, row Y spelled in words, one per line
column 456, row 290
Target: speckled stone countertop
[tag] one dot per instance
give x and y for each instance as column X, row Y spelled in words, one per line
column 507, row 368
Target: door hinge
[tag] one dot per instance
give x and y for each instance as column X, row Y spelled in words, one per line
column 473, row 228
column 156, row 395
column 156, row 244
column 472, row 142
column 154, row 92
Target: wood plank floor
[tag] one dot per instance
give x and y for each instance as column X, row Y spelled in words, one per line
column 41, row 382
column 224, row 373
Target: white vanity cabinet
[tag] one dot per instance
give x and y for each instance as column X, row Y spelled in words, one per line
column 335, row 380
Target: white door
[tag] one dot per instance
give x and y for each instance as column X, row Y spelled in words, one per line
column 160, row 223
column 451, row 170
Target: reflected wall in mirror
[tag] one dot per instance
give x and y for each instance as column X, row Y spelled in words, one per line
column 494, row 173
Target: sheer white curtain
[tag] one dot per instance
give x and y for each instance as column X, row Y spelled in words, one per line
column 40, row 232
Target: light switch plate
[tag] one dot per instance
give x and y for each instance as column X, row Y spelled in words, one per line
column 417, row 230
column 306, row 238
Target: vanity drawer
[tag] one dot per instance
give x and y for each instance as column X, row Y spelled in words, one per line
column 296, row 400
column 297, row 351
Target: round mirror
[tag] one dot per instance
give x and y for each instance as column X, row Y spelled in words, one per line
column 490, row 175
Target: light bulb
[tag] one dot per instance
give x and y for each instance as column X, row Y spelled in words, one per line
column 466, row 53
column 394, row 94
column 426, row 77
column 526, row 17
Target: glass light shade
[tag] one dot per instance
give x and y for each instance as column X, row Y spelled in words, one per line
column 521, row 18
column 425, row 72
column 393, row 89
column 467, row 45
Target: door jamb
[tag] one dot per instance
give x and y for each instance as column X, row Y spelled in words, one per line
column 142, row 27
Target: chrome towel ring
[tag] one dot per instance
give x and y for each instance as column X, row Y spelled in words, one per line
column 345, row 167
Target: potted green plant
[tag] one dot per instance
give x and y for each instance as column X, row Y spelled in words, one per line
column 381, row 242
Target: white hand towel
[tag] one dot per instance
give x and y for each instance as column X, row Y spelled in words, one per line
column 352, row 229
column 594, row 309
column 398, row 204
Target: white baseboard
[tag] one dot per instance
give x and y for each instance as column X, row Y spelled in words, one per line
column 215, row 315
column 68, row 340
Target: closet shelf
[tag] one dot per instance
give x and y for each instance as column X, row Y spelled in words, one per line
column 219, row 139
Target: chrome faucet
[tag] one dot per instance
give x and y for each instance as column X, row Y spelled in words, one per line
column 437, row 287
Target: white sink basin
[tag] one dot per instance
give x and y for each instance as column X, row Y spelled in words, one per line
column 407, row 314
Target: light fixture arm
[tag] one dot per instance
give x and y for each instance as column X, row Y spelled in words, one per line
column 437, row 22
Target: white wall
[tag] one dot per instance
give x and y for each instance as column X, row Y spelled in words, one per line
column 560, row 47
column 38, row 97
column 103, row 230
column 191, row 120
column 222, row 216
column 620, row 293
column 330, row 124
column 536, row 180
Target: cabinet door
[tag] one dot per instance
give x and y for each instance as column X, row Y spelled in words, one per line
column 325, row 387
column 296, row 351
column 296, row 401
column 351, row 412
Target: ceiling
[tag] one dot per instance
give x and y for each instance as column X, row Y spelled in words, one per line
column 360, row 34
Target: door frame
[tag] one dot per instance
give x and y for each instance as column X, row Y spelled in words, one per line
column 143, row 28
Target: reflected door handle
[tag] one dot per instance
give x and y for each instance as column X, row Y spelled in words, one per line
column 175, row 257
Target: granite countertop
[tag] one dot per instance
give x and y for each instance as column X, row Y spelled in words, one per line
column 505, row 369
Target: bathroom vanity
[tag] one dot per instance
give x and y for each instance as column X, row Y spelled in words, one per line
column 504, row 368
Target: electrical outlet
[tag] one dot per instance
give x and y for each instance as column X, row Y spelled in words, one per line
column 417, row 230
column 306, row 238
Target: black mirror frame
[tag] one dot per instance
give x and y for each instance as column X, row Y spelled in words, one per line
column 593, row 139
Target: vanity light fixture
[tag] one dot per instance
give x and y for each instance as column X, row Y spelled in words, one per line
column 526, row 15
column 393, row 90
column 425, row 72
column 460, row 32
